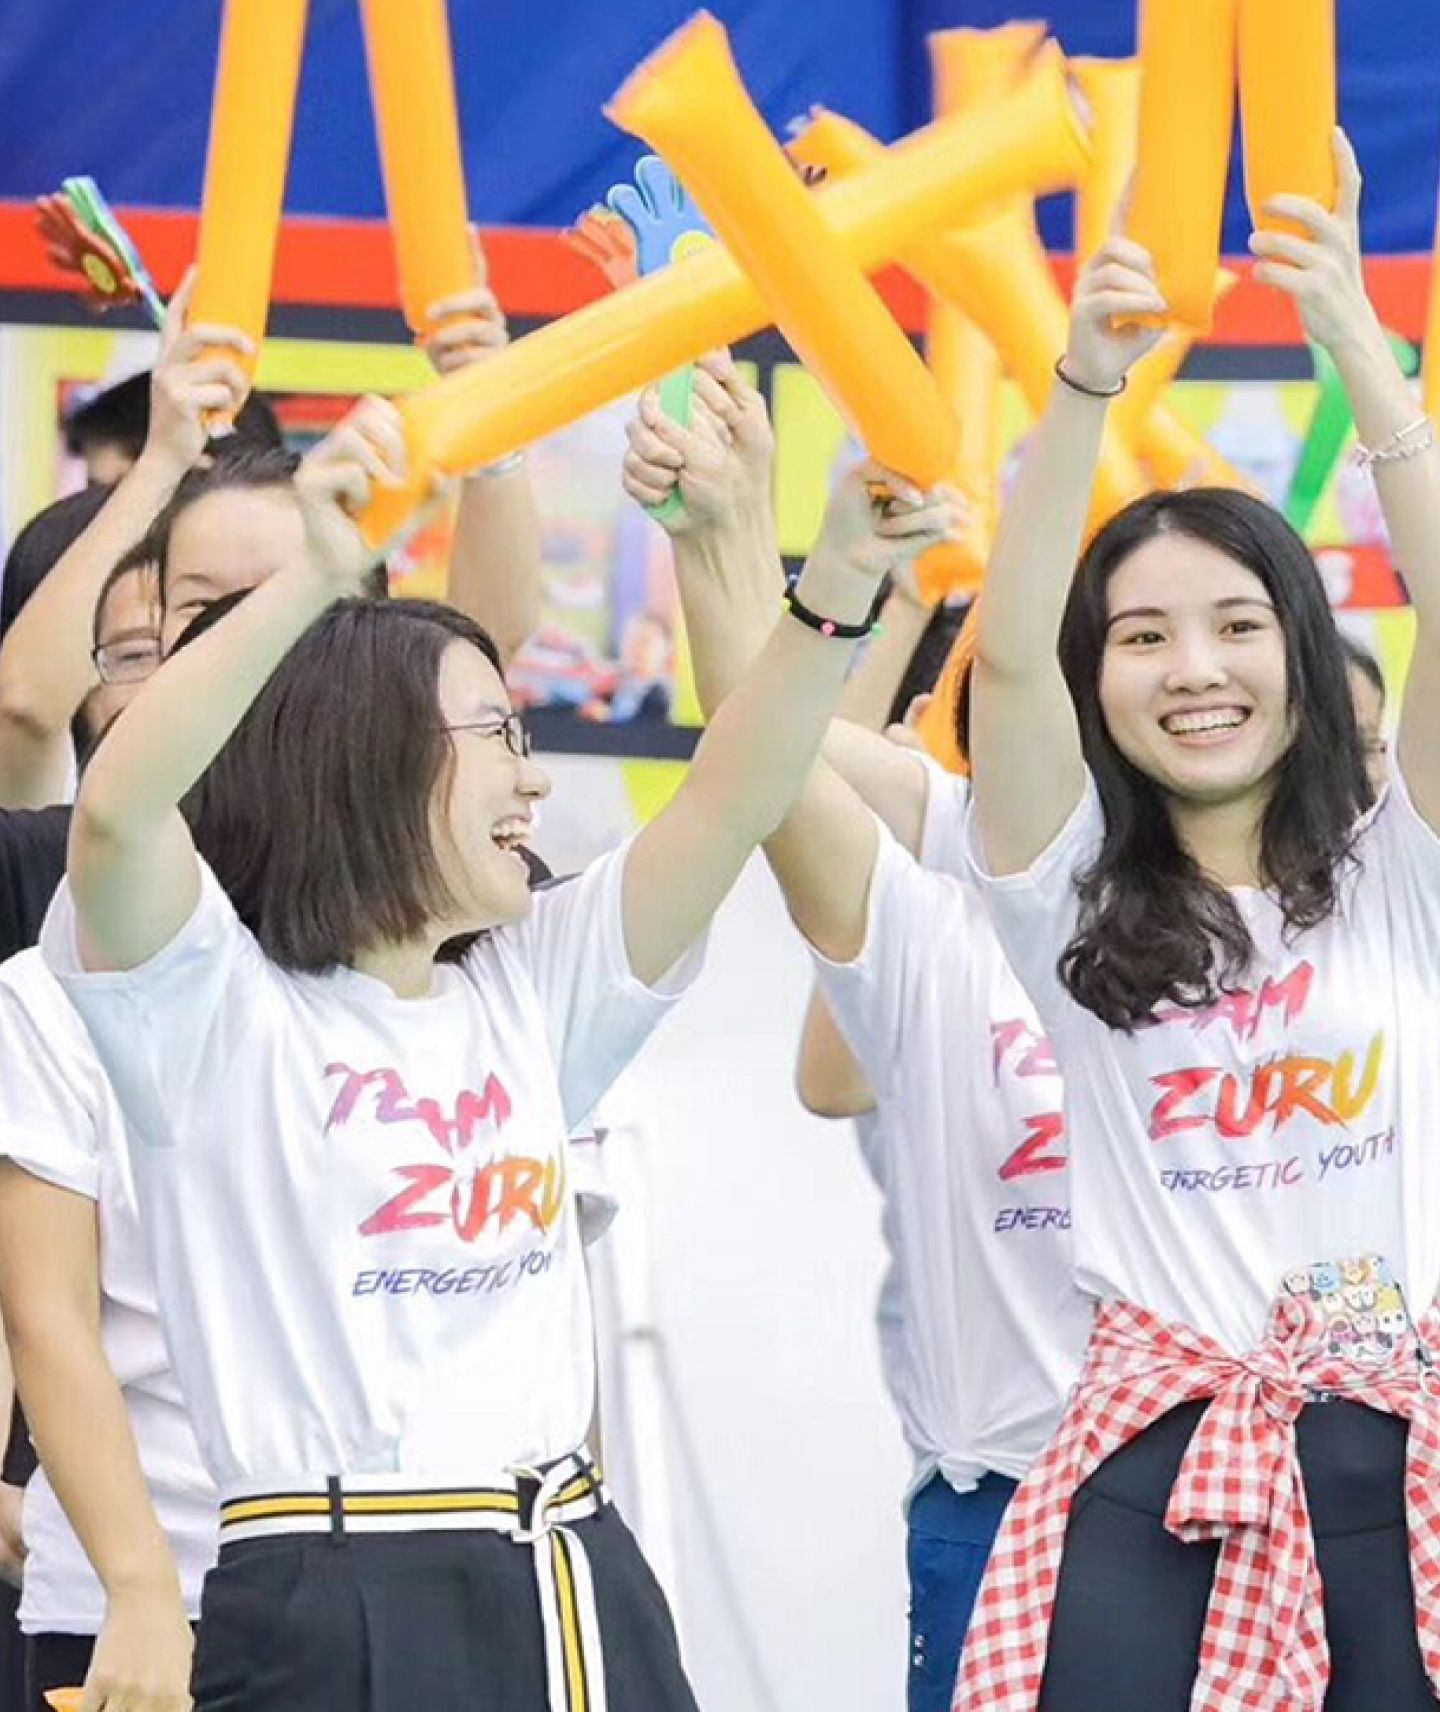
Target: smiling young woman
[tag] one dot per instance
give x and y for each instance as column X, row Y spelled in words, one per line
column 1236, row 960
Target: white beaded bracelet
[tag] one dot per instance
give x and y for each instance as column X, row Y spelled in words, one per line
column 1407, row 442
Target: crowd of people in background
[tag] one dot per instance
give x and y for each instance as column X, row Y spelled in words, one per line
column 1134, row 1014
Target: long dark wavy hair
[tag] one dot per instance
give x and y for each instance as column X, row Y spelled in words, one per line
column 1153, row 927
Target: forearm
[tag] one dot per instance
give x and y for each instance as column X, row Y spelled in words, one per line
column 871, row 688
column 45, row 664
column 81, row 1429
column 183, row 716
column 1409, row 488
column 731, row 585
column 495, row 561
column 1041, row 531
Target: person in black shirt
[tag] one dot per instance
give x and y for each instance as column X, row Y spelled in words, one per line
column 32, row 860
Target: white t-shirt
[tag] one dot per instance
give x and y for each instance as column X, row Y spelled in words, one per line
column 1293, row 1123
column 60, row 1121
column 357, row 1205
column 985, row 1327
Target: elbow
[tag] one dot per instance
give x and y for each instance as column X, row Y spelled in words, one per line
column 824, row 1097
column 23, row 717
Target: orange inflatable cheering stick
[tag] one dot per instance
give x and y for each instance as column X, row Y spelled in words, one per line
column 1110, row 88
column 1029, row 143
column 688, row 103
column 412, row 85
column 1187, row 117
column 997, row 271
column 969, row 67
column 261, row 42
column 1287, row 101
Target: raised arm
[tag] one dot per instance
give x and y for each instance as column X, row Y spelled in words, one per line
column 1324, row 273
column 495, row 558
column 45, row 663
column 50, row 1286
column 1025, row 742
column 132, row 861
column 770, row 688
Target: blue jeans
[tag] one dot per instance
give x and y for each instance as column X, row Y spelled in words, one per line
column 951, row 1534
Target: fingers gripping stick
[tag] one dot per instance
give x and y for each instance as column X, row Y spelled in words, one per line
column 668, row 226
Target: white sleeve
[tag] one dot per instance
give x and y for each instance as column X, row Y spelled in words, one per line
column 174, row 1023
column 50, row 1097
column 1402, row 851
column 597, row 1012
column 1036, row 911
column 872, row 996
column 942, row 831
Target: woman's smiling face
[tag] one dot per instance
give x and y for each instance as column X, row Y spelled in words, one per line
column 1193, row 680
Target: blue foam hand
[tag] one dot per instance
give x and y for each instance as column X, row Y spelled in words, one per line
column 660, row 211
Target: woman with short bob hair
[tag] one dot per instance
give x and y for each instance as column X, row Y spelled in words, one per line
column 348, row 1074
column 1237, row 960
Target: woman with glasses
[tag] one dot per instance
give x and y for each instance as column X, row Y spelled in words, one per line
column 348, row 1066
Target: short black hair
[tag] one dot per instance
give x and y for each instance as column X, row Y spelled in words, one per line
column 40, row 546
column 316, row 815
column 141, row 557
column 120, row 416
column 928, row 659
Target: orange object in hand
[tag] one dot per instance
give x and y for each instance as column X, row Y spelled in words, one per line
column 688, row 103
column 1187, row 118
column 1287, row 104
column 998, row 272
column 1111, row 90
column 938, row 726
column 967, row 371
column 64, row 1699
column 261, row 42
column 1029, row 143
column 412, row 84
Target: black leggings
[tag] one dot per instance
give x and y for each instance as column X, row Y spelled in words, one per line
column 55, row 1661
column 1130, row 1607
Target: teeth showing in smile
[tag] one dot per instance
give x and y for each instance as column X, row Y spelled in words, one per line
column 1204, row 720
column 510, row 834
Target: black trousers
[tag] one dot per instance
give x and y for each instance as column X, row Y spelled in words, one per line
column 55, row 1661
column 1130, row 1607
column 12, row 1651
column 447, row 1622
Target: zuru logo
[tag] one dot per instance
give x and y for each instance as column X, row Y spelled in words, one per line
column 473, row 1197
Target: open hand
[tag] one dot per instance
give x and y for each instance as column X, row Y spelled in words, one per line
column 1321, row 270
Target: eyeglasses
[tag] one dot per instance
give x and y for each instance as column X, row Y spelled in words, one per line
column 129, row 660
column 511, row 729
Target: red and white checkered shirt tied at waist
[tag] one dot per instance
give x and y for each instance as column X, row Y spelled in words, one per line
column 1264, row 1647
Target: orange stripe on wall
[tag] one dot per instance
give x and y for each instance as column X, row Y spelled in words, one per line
column 536, row 274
